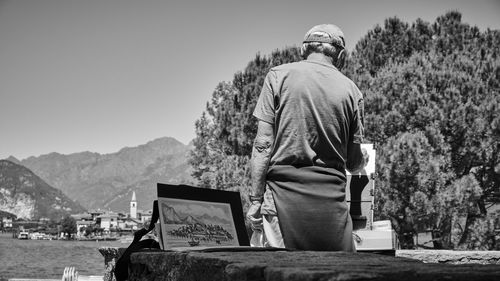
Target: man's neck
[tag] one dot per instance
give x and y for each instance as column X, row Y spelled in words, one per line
column 319, row 57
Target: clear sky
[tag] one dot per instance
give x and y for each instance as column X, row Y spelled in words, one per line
column 99, row 75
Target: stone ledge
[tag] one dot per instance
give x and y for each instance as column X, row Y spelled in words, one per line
column 452, row 257
column 283, row 265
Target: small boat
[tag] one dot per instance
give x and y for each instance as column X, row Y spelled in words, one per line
column 193, row 242
column 23, row 235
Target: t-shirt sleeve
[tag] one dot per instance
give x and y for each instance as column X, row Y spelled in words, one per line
column 359, row 117
column 264, row 110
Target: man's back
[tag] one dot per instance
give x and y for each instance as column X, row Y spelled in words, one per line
column 308, row 132
column 315, row 114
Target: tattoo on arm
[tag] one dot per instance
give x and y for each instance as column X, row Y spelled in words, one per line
column 261, row 154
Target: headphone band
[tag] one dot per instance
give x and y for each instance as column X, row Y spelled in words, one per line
column 341, row 59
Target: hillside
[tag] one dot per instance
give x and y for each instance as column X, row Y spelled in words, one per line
column 107, row 181
column 26, row 195
column 4, row 214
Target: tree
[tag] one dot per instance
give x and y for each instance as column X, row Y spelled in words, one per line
column 410, row 177
column 447, row 94
column 90, row 229
column 68, row 225
column 226, row 129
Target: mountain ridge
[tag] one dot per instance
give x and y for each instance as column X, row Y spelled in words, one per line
column 170, row 215
column 106, row 181
column 27, row 196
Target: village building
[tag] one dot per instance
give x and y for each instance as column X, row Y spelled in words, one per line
column 95, row 213
column 108, row 221
column 6, row 222
column 83, row 217
column 144, row 216
column 128, row 224
column 82, row 225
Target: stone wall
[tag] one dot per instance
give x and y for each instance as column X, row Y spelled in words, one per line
column 282, row 265
column 452, row 257
column 297, row 265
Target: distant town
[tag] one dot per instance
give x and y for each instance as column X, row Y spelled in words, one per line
column 91, row 225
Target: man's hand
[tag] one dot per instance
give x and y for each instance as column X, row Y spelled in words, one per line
column 366, row 157
column 254, row 216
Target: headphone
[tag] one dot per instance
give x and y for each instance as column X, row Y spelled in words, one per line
column 341, row 58
column 342, row 55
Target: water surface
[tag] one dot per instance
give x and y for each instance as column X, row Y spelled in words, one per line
column 47, row 259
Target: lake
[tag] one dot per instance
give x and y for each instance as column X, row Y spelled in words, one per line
column 47, row 259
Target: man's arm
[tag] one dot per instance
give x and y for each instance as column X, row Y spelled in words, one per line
column 356, row 158
column 259, row 163
column 261, row 154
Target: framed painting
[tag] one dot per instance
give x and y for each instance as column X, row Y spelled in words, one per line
column 199, row 217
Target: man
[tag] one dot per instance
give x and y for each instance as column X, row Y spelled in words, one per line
column 309, row 132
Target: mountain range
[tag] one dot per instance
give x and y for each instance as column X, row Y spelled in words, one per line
column 169, row 214
column 172, row 217
column 25, row 195
column 106, row 181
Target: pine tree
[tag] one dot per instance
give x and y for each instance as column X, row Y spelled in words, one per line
column 227, row 128
column 448, row 94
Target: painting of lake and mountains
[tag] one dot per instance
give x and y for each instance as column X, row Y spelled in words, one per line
column 190, row 223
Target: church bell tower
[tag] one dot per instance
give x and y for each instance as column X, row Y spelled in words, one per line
column 133, row 206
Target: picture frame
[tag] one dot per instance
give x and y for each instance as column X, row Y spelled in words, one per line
column 200, row 217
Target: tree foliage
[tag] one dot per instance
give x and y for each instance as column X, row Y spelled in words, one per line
column 226, row 129
column 433, row 91
column 432, row 99
column 68, row 225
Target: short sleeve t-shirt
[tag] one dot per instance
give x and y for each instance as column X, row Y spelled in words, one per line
column 316, row 112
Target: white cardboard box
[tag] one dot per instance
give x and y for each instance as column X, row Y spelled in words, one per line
column 380, row 238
